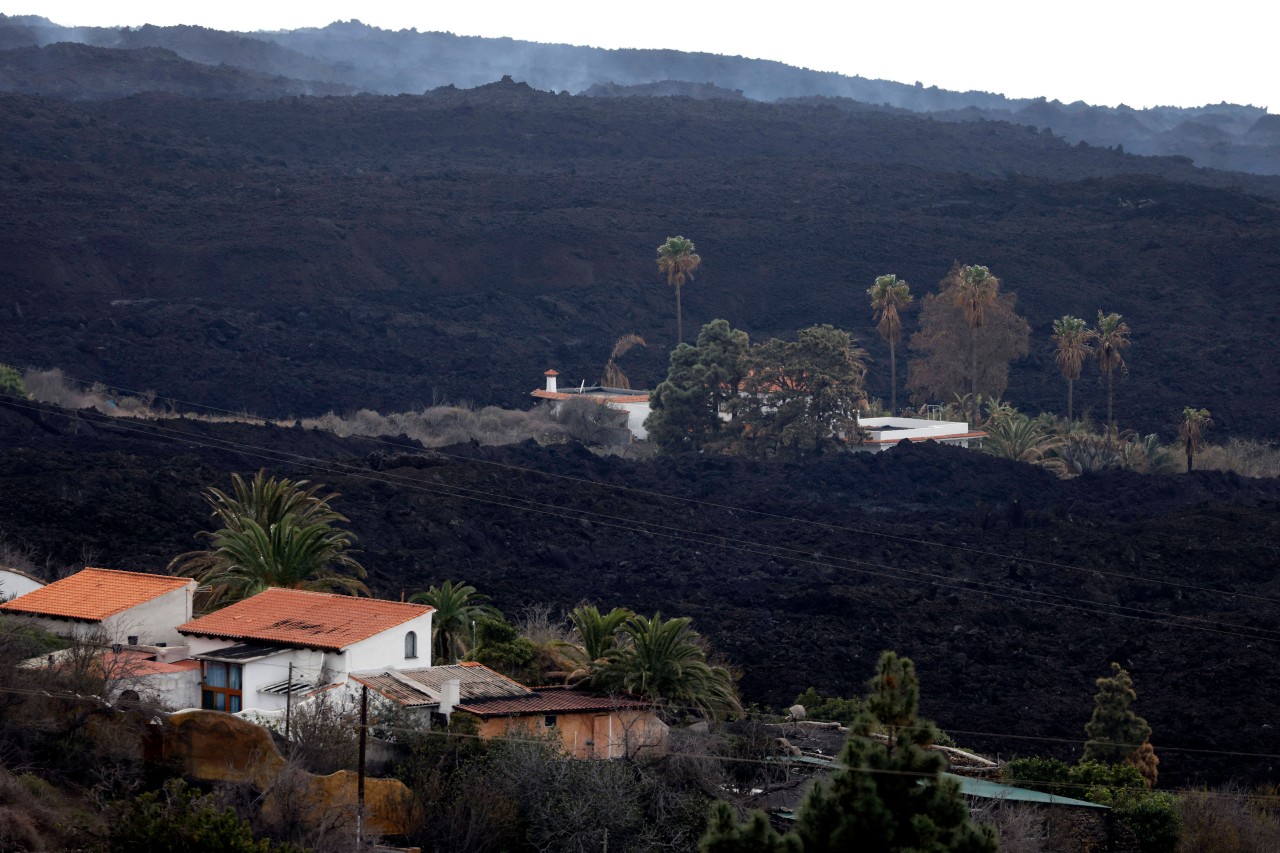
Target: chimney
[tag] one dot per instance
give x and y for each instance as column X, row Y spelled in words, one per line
column 450, row 693
column 551, row 380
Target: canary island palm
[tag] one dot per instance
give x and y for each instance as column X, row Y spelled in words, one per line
column 277, row 533
column 1073, row 337
column 1191, row 431
column 1112, row 336
column 677, row 258
column 663, row 660
column 974, row 288
column 889, row 295
column 457, row 606
column 595, row 635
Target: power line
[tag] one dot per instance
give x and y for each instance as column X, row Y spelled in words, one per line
column 983, row 552
column 864, row 567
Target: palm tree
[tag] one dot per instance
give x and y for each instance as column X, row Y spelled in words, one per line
column 973, row 289
column 274, row 533
column 457, row 607
column 677, row 258
column 663, row 660
column 596, row 635
column 1112, row 335
column 613, row 375
column 1191, row 431
column 1073, row 337
column 288, row 554
column 1018, row 437
column 889, row 295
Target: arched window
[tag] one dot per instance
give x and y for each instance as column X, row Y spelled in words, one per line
column 411, row 645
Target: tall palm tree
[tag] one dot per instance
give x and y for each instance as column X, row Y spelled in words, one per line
column 457, row 606
column 1112, row 336
column 889, row 295
column 974, row 288
column 1191, row 431
column 1073, row 337
column 273, row 533
column 677, row 258
column 663, row 660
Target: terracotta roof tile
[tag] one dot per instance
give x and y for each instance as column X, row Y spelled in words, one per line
column 135, row 664
column 92, row 595
column 599, row 398
column 555, row 700
column 313, row 620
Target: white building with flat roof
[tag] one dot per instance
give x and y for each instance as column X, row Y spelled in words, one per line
column 883, row 433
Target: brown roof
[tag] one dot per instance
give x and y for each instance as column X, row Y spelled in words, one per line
column 605, row 397
column 418, row 687
column 313, row 620
column 92, row 595
column 551, row 700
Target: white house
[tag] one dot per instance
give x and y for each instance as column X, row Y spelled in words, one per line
column 106, row 606
column 635, row 402
column 14, row 583
column 258, row 651
column 883, row 433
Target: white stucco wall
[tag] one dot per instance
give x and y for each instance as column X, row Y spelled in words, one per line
column 154, row 621
column 637, row 414
column 387, row 648
column 13, row 584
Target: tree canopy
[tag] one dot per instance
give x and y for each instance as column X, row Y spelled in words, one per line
column 274, row 533
column 686, row 406
column 801, row 396
column 955, row 357
column 1117, row 735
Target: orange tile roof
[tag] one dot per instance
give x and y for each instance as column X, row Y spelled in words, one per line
column 313, row 620
column 130, row 663
column 92, row 595
column 599, row 398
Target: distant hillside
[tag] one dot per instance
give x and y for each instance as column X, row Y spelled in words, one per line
column 406, row 61
column 82, row 72
column 305, row 254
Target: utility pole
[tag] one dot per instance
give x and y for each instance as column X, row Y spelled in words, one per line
column 288, row 702
column 364, row 727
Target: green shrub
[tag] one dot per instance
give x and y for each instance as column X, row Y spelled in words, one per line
column 829, row 708
column 178, row 819
column 11, row 382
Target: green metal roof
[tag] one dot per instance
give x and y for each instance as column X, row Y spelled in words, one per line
column 969, row 786
column 996, row 791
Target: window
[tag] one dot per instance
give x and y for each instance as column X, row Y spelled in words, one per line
column 221, row 690
column 549, row 720
column 411, row 645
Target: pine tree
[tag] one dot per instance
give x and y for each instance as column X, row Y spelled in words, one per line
column 685, row 407
column 885, row 796
column 1117, row 735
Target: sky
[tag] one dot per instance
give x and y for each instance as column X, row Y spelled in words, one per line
column 1136, row 52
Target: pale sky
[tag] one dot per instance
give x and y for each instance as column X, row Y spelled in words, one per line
column 1136, row 52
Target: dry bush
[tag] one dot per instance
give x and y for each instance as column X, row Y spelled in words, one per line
column 441, row 426
column 1228, row 820
column 52, row 386
column 36, row 816
column 1021, row 827
column 1246, row 457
